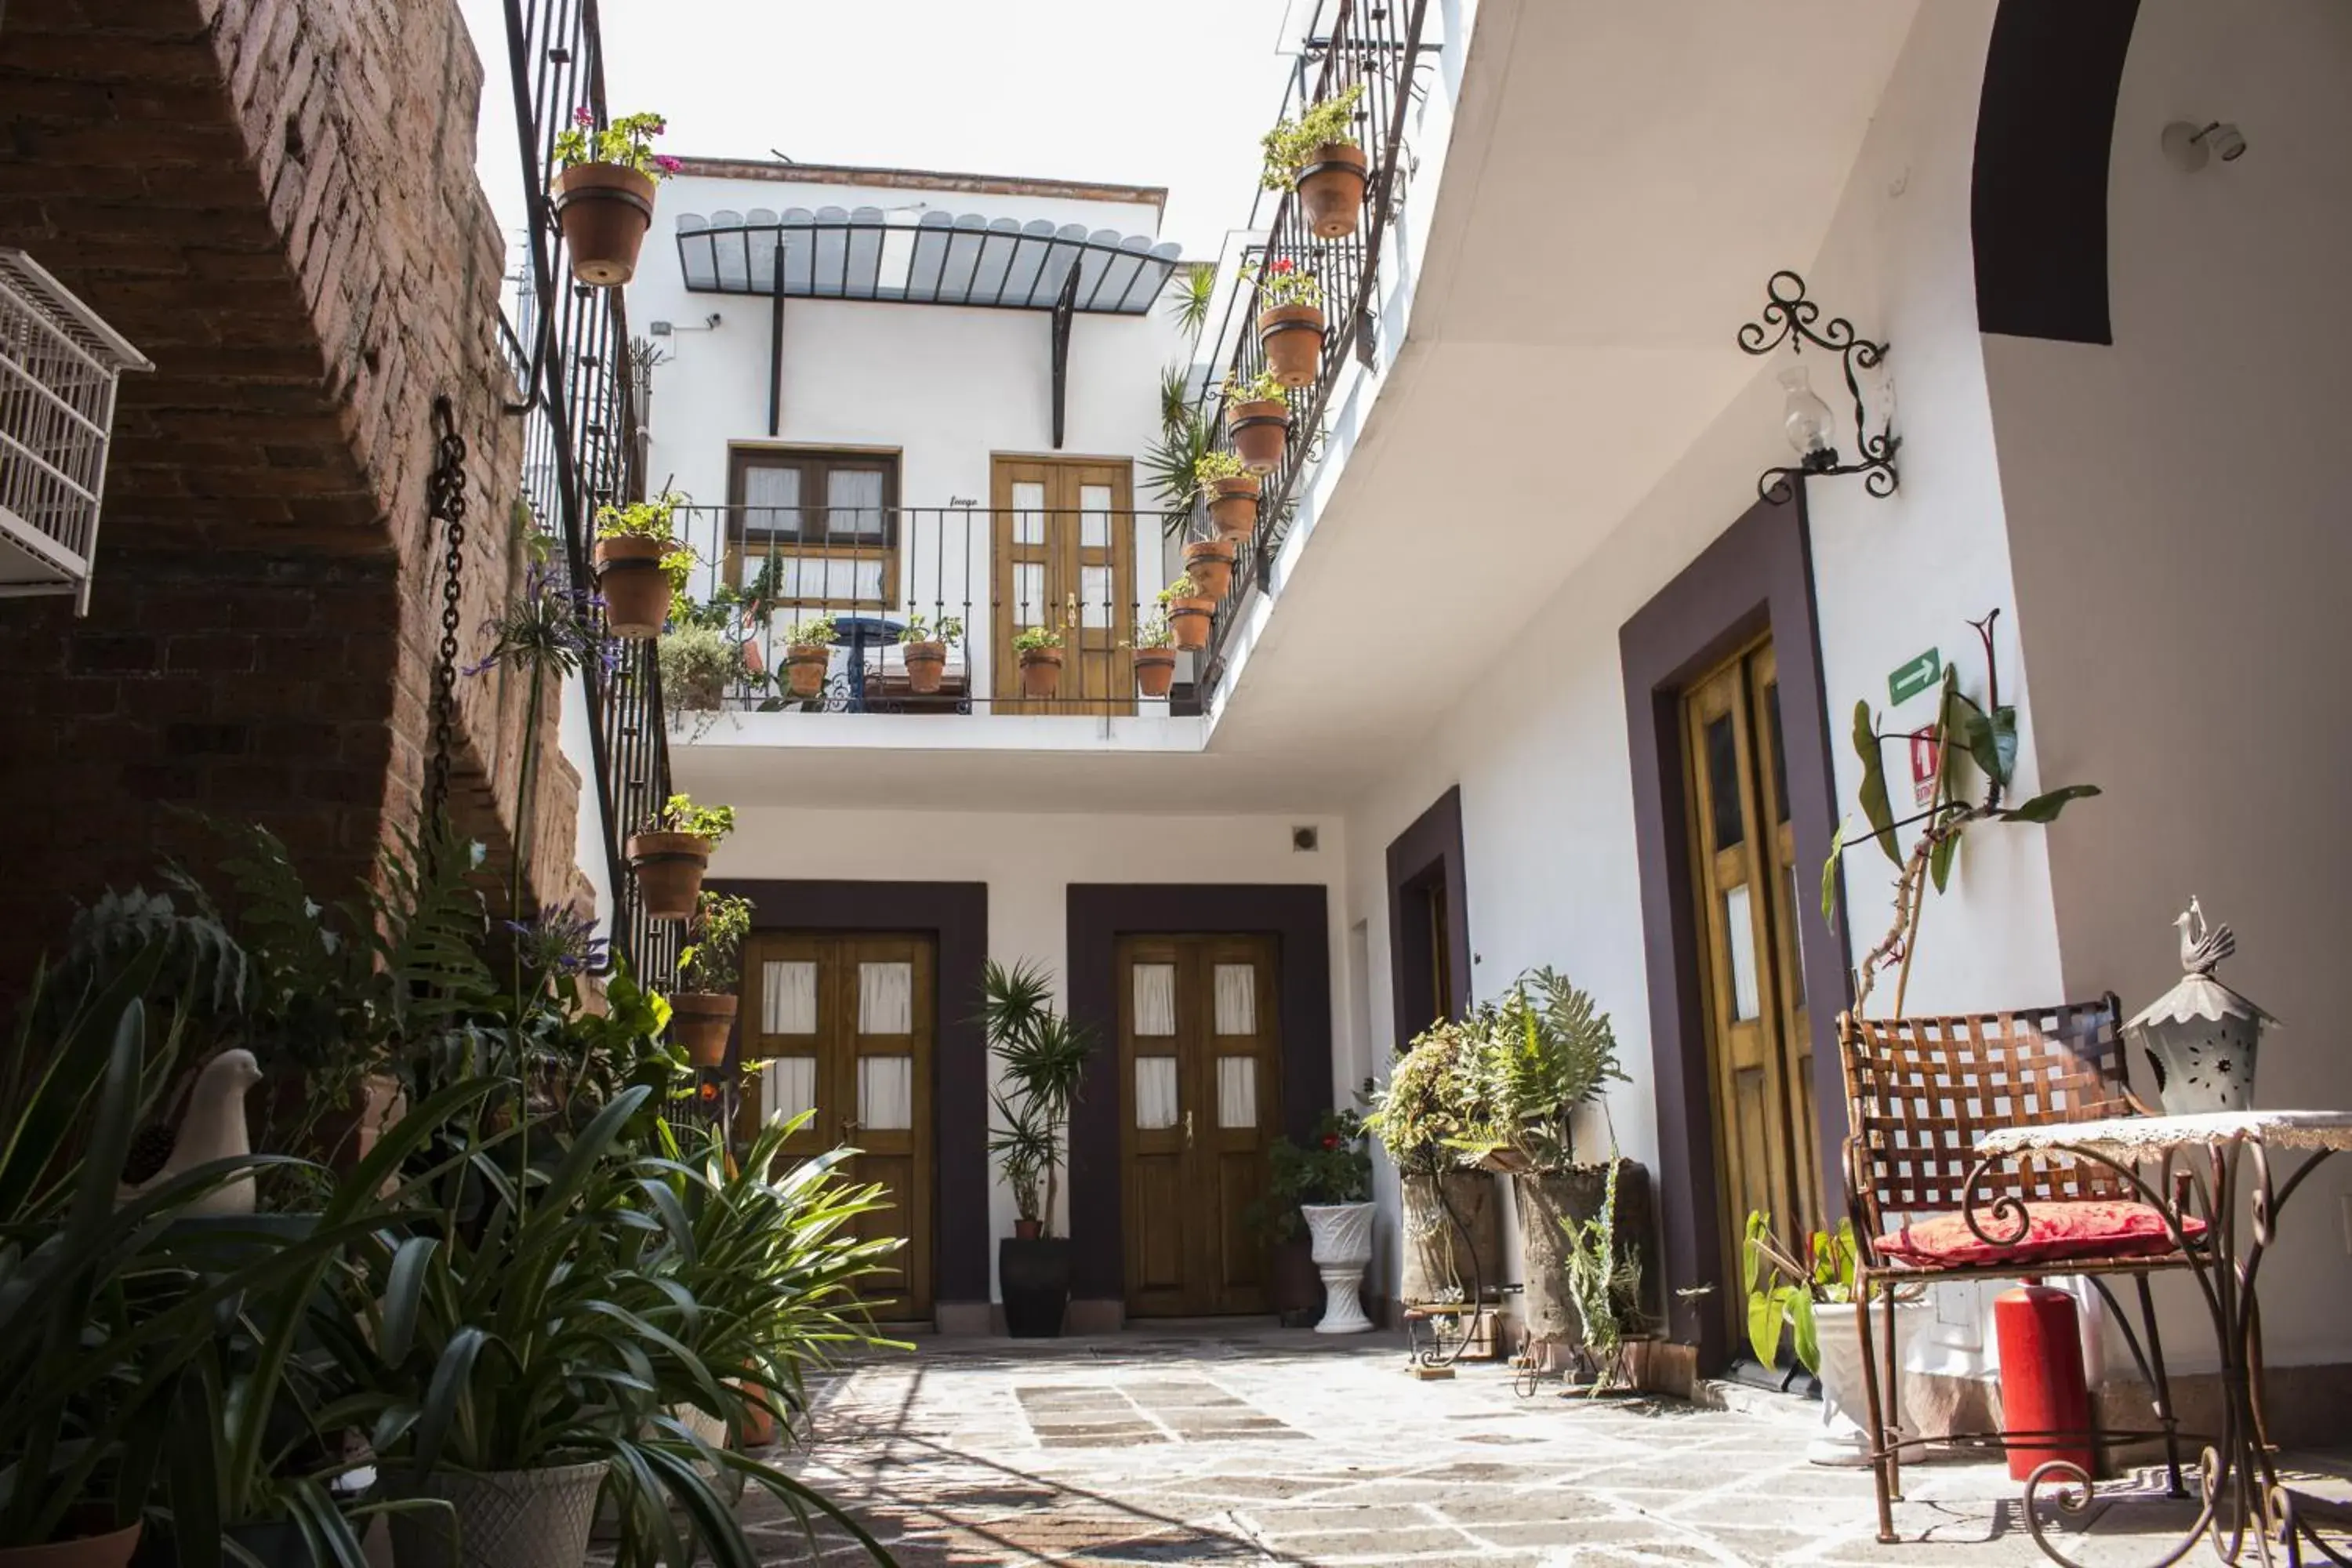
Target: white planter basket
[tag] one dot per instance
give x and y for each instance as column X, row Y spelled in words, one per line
column 1341, row 1238
column 59, row 364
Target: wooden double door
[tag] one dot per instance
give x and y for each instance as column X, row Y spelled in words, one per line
column 842, row 1028
column 1200, row 1073
column 1750, row 893
column 1065, row 555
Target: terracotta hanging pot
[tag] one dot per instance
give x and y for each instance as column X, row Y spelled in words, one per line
column 1233, row 507
column 1041, row 671
column 1332, row 190
column 1260, row 432
column 1210, row 563
column 669, row 867
column 635, row 588
column 111, row 1551
column 804, row 666
column 1189, row 619
column 1292, row 337
column 701, row 1020
column 605, row 209
column 1155, row 671
column 925, row 662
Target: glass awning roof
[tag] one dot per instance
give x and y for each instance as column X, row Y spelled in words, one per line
column 866, row 253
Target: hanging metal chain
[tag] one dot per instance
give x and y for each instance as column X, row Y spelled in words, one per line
column 445, row 502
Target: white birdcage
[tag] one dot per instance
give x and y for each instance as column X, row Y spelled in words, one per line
column 57, row 368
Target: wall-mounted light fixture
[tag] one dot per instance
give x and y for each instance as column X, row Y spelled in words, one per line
column 1811, row 427
column 2189, row 146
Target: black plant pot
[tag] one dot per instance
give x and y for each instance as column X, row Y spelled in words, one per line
column 280, row 1544
column 1034, row 1275
column 1296, row 1285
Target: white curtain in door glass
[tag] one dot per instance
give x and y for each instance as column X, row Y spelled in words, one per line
column 1095, row 608
column 1155, row 999
column 1028, row 512
column 1029, row 593
column 787, row 1087
column 1236, row 1091
column 1155, row 1092
column 1237, row 999
column 885, row 999
column 1094, row 516
column 1739, row 931
column 788, row 997
column 885, row 1093
column 853, row 498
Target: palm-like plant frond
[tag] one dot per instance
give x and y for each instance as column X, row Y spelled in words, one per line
column 1192, row 289
column 1169, row 466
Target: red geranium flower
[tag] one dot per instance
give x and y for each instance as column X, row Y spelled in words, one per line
column 1330, row 1140
column 1285, row 265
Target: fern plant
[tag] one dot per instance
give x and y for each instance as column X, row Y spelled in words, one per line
column 1546, row 1049
column 1604, row 1282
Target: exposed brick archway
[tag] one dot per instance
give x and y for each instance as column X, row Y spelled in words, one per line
column 274, row 200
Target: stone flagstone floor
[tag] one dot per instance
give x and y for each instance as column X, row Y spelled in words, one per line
column 1274, row 1448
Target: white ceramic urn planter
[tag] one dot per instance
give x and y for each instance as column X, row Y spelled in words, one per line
column 1340, row 1238
column 1844, row 1437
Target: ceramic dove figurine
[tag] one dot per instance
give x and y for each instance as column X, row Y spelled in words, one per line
column 212, row 1128
column 2199, row 1036
column 2201, row 949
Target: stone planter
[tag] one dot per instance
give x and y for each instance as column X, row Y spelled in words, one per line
column 510, row 1519
column 1340, row 1238
column 1332, row 190
column 1844, row 1437
column 604, row 210
column 1155, row 671
column 635, row 588
column 1547, row 1204
column 1440, row 1263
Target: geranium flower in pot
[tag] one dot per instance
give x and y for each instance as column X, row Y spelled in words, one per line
column 924, row 649
column 1290, row 323
column 639, row 564
column 1232, row 491
column 808, row 654
column 702, row 1011
column 1318, row 154
column 1042, row 1057
column 1189, row 611
column 672, row 850
column 1155, row 656
column 604, row 192
column 1258, row 419
column 1040, row 652
column 1210, row 563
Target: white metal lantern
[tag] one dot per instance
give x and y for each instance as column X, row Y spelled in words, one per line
column 2199, row 1036
column 59, row 365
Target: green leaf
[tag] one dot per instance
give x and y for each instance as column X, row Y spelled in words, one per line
column 404, row 1294
column 1874, row 805
column 1766, row 1310
column 194, row 1471
column 1808, row 1336
column 1829, row 877
column 2046, row 807
column 2002, row 728
column 1940, row 860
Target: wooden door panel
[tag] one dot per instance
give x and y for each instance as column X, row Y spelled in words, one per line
column 1064, row 556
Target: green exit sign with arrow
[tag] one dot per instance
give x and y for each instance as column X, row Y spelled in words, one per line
column 1910, row 680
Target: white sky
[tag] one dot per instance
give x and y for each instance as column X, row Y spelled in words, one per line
column 1147, row 92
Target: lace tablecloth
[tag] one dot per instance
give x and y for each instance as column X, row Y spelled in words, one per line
column 2126, row 1137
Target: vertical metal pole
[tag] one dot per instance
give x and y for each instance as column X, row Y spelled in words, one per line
column 776, row 338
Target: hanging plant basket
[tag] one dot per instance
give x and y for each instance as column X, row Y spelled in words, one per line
column 1260, row 432
column 1233, row 507
column 702, row 1020
column 927, row 662
column 604, row 210
column 1155, row 671
column 1292, row 337
column 633, row 584
column 1188, row 620
column 1041, row 671
column 1210, row 563
column 669, row 867
column 805, row 667
column 1332, row 190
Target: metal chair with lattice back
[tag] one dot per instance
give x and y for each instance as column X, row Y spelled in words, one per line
column 1920, row 1092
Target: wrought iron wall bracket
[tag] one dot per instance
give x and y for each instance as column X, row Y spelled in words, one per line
column 1065, row 312
column 1791, row 317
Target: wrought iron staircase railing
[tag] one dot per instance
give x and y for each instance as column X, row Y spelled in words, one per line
column 1377, row 44
column 571, row 356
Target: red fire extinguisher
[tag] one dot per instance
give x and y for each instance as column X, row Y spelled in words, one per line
column 2042, row 1388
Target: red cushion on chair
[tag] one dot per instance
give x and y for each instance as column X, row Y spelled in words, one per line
column 2077, row 1228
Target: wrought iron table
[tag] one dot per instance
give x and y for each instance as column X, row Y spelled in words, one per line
column 2195, row 1163
column 846, row 691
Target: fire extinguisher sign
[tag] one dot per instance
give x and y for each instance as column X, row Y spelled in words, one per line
column 1923, row 767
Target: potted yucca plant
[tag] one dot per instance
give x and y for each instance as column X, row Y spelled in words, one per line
column 671, row 852
column 639, row 564
column 808, row 654
column 924, row 648
column 1231, row 492
column 604, row 192
column 1040, row 652
column 1258, row 419
column 1209, row 563
column 702, row 1011
column 1188, row 611
column 1042, row 1057
column 1290, row 323
column 1319, row 156
column 1155, row 656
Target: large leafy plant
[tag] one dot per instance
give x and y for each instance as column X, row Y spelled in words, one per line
column 1965, row 732
column 712, row 957
column 1292, row 144
column 1331, row 1167
column 1042, row 1057
column 1545, row 1050
column 1782, row 1289
column 1436, row 1111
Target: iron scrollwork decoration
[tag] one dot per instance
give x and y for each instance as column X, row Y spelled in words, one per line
column 1791, row 317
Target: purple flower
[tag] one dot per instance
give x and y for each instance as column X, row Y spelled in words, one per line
column 562, row 941
column 583, row 117
column 666, row 165
column 547, row 626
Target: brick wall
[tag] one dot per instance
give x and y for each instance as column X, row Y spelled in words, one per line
column 274, row 200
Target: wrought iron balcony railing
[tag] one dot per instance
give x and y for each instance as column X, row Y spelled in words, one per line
column 868, row 584
column 1376, row 44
